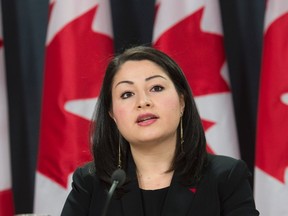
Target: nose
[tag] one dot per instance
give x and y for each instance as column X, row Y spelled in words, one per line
column 144, row 102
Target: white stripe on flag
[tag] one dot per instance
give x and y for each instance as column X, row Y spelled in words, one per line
column 6, row 202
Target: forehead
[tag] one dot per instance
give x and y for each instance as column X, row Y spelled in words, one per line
column 137, row 68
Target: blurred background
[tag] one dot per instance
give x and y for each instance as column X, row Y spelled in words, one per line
column 25, row 29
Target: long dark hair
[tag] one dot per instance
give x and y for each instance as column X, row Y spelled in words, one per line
column 106, row 137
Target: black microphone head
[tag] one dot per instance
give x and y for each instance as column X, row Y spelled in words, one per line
column 118, row 175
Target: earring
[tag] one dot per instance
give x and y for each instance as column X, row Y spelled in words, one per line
column 181, row 133
column 119, row 153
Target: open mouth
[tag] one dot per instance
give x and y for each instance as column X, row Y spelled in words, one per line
column 145, row 118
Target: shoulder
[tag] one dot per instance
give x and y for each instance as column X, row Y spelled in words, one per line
column 220, row 163
column 84, row 186
column 225, row 187
column 85, row 175
column 87, row 169
column 224, row 169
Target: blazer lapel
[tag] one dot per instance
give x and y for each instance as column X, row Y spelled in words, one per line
column 179, row 198
column 132, row 200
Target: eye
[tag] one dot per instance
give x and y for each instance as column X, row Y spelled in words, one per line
column 126, row 95
column 157, row 88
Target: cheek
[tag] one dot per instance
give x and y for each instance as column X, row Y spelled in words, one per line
column 171, row 104
column 120, row 113
column 122, row 117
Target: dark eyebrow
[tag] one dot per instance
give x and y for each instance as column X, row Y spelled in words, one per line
column 124, row 81
column 152, row 77
column 147, row 79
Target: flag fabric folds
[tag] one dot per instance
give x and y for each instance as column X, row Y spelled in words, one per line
column 191, row 33
column 6, row 195
column 78, row 45
column 271, row 171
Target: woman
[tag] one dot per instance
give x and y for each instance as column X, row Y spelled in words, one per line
column 147, row 124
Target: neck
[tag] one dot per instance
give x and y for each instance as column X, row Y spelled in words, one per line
column 152, row 164
column 150, row 158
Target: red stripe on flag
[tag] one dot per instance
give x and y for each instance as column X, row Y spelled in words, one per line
column 6, row 203
column 272, row 139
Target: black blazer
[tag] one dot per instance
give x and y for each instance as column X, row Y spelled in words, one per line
column 224, row 190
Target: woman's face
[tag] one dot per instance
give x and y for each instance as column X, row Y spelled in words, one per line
column 145, row 104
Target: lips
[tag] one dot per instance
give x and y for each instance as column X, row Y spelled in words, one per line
column 146, row 118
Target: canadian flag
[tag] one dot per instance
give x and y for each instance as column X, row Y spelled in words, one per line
column 6, row 195
column 191, row 33
column 78, row 45
column 271, row 172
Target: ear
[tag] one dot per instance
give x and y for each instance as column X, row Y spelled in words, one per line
column 112, row 116
column 182, row 103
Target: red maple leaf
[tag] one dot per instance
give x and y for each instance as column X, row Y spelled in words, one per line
column 75, row 63
column 272, row 139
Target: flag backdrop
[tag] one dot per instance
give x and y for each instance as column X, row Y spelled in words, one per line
column 78, row 45
column 6, row 195
column 192, row 35
column 25, row 26
column 271, row 172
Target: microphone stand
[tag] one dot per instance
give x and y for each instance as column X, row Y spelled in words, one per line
column 109, row 196
column 118, row 178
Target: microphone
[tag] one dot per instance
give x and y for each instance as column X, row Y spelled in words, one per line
column 118, row 178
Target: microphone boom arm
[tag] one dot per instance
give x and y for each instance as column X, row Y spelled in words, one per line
column 109, row 196
column 118, row 178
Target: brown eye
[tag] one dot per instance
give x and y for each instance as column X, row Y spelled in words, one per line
column 157, row 88
column 126, row 95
